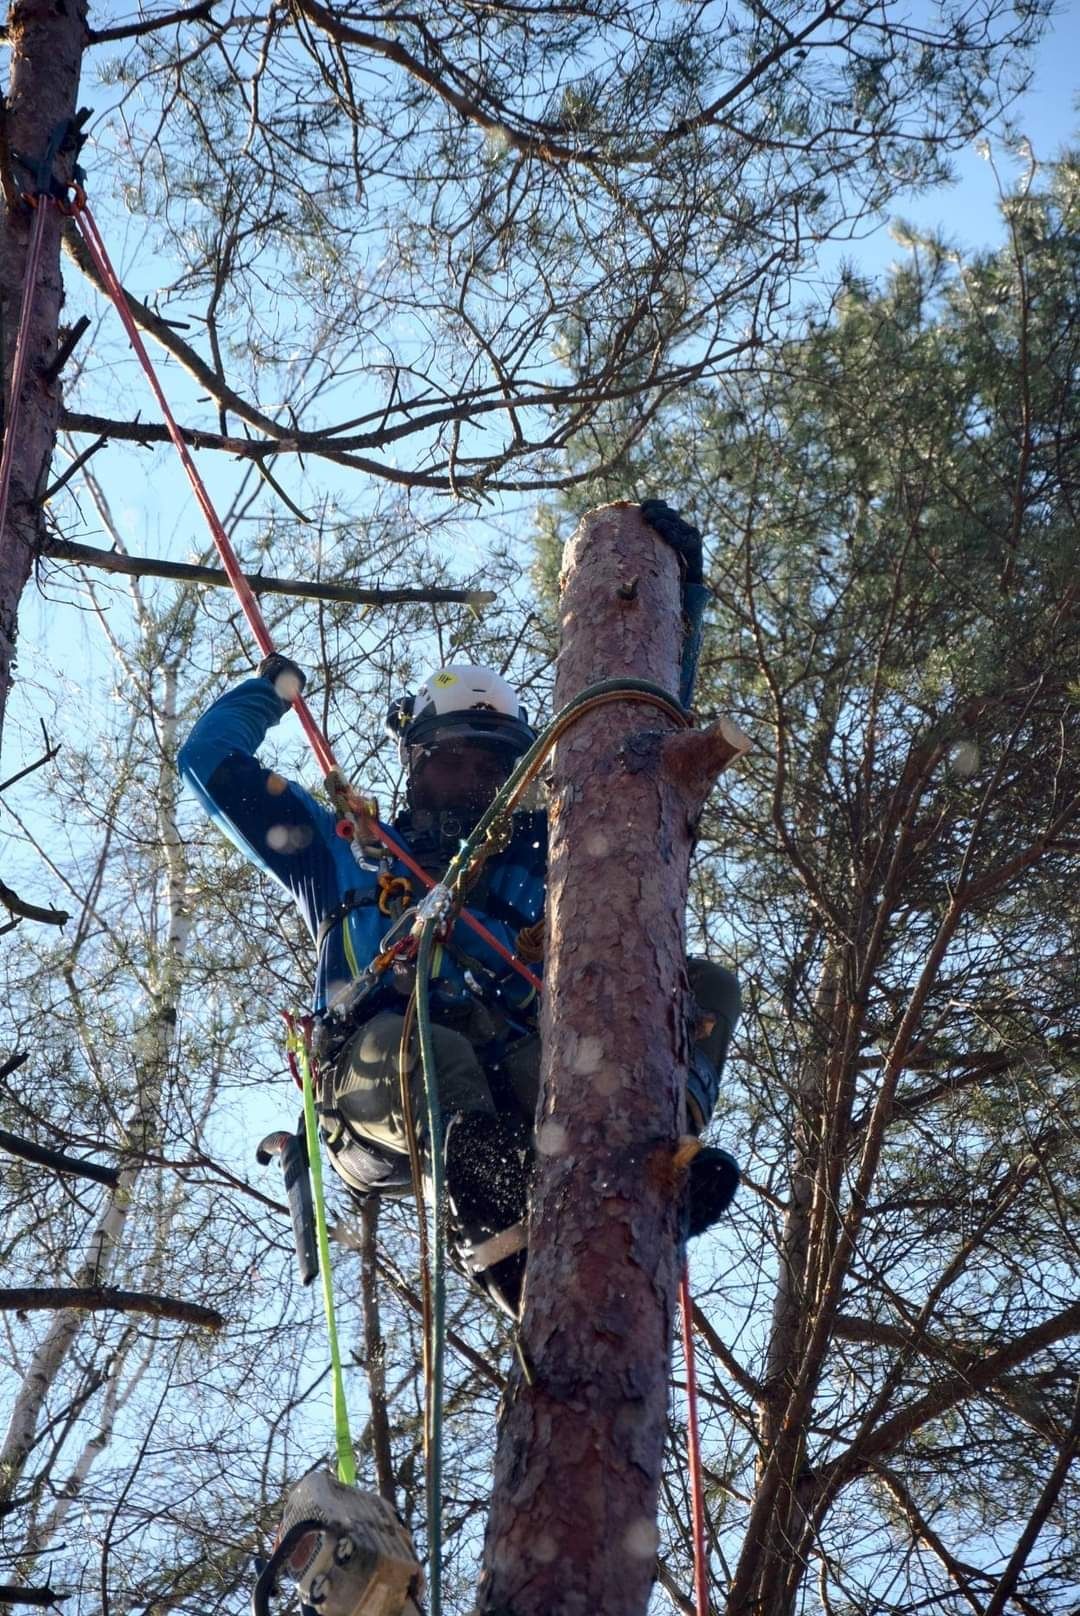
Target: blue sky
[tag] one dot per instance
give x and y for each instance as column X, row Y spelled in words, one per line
column 966, row 211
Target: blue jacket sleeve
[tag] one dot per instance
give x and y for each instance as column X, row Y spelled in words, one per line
column 273, row 821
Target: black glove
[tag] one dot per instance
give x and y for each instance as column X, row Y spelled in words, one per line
column 684, row 539
column 274, row 665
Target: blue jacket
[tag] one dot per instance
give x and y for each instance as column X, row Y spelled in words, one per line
column 282, row 829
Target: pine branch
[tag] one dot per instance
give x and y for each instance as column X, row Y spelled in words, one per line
column 1007, row 1587
column 981, row 1374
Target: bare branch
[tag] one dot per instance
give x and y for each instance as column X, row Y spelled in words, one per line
column 65, row 349
column 47, row 756
column 144, row 566
column 149, row 25
column 107, row 1299
column 76, row 466
column 29, row 911
column 27, row 1150
column 345, row 1236
column 10, row 1595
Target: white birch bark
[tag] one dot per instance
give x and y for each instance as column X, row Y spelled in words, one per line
column 154, row 1041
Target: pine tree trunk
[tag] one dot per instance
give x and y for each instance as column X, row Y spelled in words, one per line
column 573, row 1530
column 46, row 40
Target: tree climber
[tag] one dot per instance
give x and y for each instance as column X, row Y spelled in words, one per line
column 458, row 737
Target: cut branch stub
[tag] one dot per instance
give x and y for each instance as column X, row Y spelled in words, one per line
column 573, row 1523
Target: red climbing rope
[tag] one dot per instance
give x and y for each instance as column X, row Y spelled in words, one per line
column 693, row 1442
column 323, row 752
column 319, row 743
column 18, row 365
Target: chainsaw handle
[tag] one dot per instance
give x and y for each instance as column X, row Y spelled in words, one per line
column 266, row 1584
column 272, row 1146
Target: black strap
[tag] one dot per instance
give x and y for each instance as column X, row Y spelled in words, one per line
column 353, row 899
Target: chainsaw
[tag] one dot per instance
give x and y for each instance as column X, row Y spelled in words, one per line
column 346, row 1551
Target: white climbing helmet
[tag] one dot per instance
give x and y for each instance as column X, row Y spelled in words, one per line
column 459, row 703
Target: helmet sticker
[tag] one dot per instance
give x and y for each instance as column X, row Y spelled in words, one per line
column 443, row 679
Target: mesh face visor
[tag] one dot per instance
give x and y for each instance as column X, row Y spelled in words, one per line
column 496, row 732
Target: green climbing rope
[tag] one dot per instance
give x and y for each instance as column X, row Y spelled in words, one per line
column 346, row 1460
column 437, row 1343
column 459, row 870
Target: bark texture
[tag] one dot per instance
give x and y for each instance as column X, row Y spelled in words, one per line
column 573, row 1530
column 46, row 40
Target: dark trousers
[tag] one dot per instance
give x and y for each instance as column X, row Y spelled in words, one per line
column 367, row 1084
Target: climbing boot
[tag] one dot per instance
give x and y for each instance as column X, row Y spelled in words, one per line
column 488, row 1161
column 714, row 1179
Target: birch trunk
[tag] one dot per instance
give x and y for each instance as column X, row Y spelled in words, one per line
column 155, row 1041
column 573, row 1528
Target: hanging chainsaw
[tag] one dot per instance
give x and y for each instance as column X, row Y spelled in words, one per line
column 345, row 1550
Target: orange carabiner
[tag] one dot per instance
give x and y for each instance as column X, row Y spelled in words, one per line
column 391, row 887
column 69, row 208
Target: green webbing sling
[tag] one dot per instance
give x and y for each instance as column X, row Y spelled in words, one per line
column 345, row 1459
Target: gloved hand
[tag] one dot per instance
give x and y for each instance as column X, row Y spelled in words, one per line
column 684, row 539
column 287, row 679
